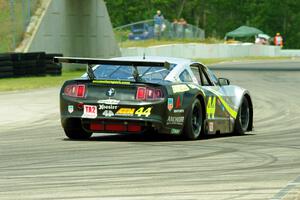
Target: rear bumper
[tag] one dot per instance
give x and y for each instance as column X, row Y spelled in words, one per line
column 120, row 126
column 147, row 115
column 124, row 125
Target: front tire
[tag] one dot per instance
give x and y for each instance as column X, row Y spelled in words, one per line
column 242, row 121
column 194, row 121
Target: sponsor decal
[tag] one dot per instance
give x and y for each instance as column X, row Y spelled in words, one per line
column 175, row 131
column 178, row 111
column 70, row 108
column 180, row 88
column 175, row 120
column 107, row 107
column 109, row 101
column 170, row 104
column 143, row 112
column 112, row 82
column 111, row 92
column 210, row 126
column 178, row 102
column 108, row 113
column 89, row 111
column 125, row 111
column 211, row 107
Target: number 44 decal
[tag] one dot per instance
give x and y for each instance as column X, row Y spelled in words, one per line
column 143, row 112
column 211, row 107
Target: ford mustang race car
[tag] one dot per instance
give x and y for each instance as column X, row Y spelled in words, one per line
column 154, row 95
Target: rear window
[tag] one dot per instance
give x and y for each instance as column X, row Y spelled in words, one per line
column 122, row 72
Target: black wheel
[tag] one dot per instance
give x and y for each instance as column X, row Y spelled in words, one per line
column 77, row 134
column 194, row 121
column 242, row 120
column 74, row 131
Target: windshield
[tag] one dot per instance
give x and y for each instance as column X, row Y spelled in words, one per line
column 123, row 72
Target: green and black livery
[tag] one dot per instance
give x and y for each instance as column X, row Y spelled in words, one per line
column 153, row 95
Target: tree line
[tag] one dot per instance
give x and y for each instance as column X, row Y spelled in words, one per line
column 217, row 17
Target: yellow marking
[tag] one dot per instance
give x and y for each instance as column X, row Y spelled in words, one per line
column 231, row 111
column 125, row 111
column 112, row 82
column 211, row 107
column 141, row 112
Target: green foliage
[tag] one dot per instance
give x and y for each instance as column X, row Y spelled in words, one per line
column 13, row 27
column 217, row 17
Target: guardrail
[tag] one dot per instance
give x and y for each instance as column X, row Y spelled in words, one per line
column 28, row 64
column 194, row 50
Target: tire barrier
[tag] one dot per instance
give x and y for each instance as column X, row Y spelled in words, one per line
column 28, row 64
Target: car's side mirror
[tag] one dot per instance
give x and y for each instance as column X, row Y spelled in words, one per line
column 223, row 81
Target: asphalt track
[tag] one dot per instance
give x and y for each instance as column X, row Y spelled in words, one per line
column 38, row 162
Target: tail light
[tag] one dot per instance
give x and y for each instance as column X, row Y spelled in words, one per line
column 141, row 93
column 75, row 90
column 148, row 93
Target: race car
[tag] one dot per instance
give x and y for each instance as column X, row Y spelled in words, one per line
column 151, row 95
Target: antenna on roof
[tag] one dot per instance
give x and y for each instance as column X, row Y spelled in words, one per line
column 144, row 56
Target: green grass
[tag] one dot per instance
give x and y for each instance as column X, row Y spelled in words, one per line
column 12, row 84
column 8, row 29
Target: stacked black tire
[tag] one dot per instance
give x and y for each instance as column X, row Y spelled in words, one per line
column 28, row 64
column 6, row 66
column 52, row 68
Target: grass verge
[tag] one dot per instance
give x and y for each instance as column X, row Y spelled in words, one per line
column 12, row 84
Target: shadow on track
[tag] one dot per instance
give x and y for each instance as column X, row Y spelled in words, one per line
column 151, row 137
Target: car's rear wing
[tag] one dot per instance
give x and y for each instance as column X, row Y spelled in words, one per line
column 95, row 61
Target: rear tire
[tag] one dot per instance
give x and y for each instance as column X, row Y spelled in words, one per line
column 77, row 134
column 194, row 121
column 74, row 131
column 242, row 120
